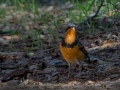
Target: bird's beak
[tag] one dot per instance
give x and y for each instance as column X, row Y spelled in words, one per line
column 73, row 28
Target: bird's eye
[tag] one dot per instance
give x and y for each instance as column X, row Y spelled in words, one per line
column 67, row 28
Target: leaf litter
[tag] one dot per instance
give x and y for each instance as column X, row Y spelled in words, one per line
column 44, row 64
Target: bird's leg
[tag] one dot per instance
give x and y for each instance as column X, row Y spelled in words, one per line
column 69, row 66
column 79, row 65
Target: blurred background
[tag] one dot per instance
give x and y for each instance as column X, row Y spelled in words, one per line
column 27, row 25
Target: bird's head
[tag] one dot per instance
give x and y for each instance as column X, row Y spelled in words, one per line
column 70, row 34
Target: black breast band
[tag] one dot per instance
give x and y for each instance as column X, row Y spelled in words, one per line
column 69, row 45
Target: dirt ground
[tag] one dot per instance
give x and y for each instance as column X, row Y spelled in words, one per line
column 30, row 57
column 26, row 85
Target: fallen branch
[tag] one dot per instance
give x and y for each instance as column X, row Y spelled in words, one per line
column 100, row 48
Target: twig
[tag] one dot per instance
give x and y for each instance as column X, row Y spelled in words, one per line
column 99, row 7
column 87, row 21
column 115, row 6
column 100, row 48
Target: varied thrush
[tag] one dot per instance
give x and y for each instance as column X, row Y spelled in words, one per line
column 71, row 48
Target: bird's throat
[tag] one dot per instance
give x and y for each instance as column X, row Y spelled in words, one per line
column 70, row 39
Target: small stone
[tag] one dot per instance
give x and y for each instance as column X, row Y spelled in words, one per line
column 27, row 27
column 89, row 82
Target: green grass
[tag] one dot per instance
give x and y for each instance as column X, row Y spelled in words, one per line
column 78, row 13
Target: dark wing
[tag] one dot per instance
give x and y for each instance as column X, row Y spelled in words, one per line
column 82, row 48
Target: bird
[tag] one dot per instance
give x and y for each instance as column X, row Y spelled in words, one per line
column 71, row 48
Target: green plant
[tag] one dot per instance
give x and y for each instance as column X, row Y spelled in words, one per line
column 37, row 34
column 80, row 11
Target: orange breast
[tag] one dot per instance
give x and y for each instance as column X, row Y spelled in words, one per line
column 72, row 54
